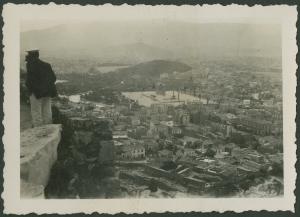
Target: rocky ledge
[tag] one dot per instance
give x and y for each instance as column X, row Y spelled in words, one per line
column 37, row 156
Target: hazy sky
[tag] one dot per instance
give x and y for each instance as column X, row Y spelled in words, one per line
column 179, row 30
column 37, row 17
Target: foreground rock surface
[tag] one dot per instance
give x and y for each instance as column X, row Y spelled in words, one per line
column 37, row 156
column 29, row 190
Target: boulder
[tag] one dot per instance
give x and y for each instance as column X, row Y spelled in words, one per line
column 38, row 154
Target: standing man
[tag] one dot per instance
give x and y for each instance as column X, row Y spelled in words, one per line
column 40, row 82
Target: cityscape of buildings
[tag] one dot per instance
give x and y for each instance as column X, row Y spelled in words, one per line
column 219, row 135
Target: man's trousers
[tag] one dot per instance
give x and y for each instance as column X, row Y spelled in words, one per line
column 40, row 110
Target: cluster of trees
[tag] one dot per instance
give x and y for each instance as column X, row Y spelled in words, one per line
column 210, row 153
column 169, row 165
column 244, row 141
column 276, row 169
column 171, row 146
column 135, row 78
column 226, row 187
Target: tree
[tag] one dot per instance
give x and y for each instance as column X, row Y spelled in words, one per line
column 153, row 186
column 277, row 169
column 197, row 144
column 239, row 140
column 169, row 165
column 226, row 187
column 189, row 144
column 210, row 153
column 162, row 136
column 161, row 145
column 245, row 185
column 149, row 152
column 255, row 145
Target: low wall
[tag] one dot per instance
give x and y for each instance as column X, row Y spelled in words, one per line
column 85, row 155
column 37, row 156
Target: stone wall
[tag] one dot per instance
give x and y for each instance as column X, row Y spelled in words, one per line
column 38, row 155
column 85, row 159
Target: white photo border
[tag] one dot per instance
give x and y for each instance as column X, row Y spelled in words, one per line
column 14, row 14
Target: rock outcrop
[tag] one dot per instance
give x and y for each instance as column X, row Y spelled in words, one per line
column 30, row 190
column 85, row 165
column 38, row 155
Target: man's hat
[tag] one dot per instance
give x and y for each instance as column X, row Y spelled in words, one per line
column 32, row 51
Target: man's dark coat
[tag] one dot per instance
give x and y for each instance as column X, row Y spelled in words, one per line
column 40, row 79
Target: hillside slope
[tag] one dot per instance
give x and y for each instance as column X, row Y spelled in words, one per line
column 156, row 67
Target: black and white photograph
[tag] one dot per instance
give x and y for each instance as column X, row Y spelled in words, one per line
column 154, row 102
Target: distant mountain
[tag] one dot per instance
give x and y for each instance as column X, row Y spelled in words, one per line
column 155, row 68
column 134, row 53
column 149, row 40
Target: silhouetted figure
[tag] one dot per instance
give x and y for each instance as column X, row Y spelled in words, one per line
column 40, row 82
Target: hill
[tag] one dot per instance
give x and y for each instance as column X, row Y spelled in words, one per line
column 161, row 39
column 134, row 53
column 137, row 77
